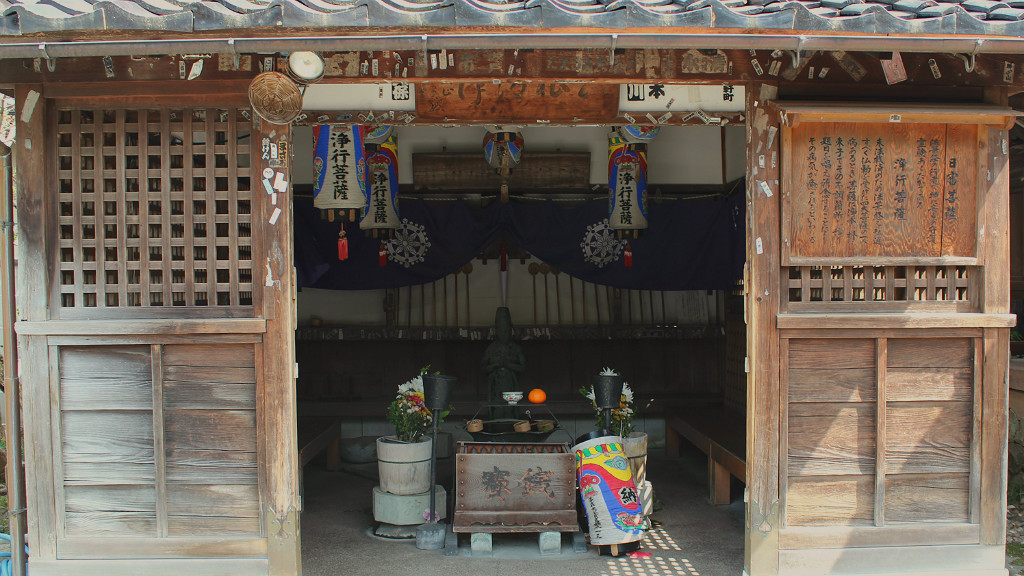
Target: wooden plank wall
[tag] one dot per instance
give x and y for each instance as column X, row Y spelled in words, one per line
column 879, row 430
column 157, row 441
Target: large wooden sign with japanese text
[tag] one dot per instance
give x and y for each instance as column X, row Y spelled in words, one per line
column 870, row 190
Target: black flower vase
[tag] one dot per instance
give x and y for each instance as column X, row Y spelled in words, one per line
column 436, row 390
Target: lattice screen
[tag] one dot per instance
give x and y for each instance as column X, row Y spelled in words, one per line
column 878, row 283
column 154, row 208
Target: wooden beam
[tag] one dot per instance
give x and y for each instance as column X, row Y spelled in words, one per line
column 795, row 112
column 124, row 327
column 804, row 537
column 895, row 320
column 212, row 547
column 762, row 300
column 279, row 434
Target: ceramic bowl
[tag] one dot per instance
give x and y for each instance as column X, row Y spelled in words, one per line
column 512, row 397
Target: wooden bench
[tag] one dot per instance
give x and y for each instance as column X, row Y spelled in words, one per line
column 721, row 434
column 317, row 434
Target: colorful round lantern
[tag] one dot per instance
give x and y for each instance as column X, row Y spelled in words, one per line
column 339, row 171
column 627, row 187
column 381, row 214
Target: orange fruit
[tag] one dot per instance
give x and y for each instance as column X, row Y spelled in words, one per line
column 537, row 396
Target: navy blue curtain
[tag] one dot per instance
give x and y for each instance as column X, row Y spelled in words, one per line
column 691, row 244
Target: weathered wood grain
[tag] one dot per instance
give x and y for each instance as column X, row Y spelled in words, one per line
column 832, row 354
column 111, row 523
column 926, row 437
column 128, row 547
column 105, row 378
column 228, row 500
column 215, row 355
column 926, row 497
column 832, row 385
column 233, row 430
column 190, row 394
column 902, row 534
column 762, row 300
column 278, row 433
column 102, row 444
column 915, row 384
column 110, row 498
column 523, row 102
column 960, row 191
column 830, row 500
column 831, row 439
column 931, row 353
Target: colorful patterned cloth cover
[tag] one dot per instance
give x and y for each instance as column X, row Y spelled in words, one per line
column 609, row 495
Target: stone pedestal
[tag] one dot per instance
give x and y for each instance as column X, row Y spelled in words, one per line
column 646, row 495
column 407, row 509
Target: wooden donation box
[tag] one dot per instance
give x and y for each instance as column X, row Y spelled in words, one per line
column 514, row 487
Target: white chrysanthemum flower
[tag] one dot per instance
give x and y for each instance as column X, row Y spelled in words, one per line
column 590, row 395
column 627, row 392
column 608, row 372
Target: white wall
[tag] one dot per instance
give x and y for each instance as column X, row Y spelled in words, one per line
column 679, row 155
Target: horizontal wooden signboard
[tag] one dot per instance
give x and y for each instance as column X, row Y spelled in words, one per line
column 882, row 191
column 517, row 102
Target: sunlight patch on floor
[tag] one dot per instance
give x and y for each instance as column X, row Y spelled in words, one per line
column 650, row 566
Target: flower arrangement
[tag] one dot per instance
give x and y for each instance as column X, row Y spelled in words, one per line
column 408, row 412
column 622, row 417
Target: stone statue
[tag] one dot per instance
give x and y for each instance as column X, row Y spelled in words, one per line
column 503, row 362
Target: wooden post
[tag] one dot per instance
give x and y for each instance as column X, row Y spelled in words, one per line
column 35, row 221
column 762, row 301
column 281, row 496
column 994, row 253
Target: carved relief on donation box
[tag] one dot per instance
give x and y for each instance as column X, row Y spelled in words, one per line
column 880, row 190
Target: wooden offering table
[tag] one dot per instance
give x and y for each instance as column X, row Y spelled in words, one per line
column 512, row 487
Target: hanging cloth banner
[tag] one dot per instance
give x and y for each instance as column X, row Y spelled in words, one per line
column 692, row 244
column 339, row 167
column 627, row 185
column 382, row 203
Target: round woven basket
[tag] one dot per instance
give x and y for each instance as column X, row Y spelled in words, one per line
column 275, row 97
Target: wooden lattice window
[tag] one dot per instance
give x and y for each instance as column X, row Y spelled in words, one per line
column 879, row 284
column 154, row 208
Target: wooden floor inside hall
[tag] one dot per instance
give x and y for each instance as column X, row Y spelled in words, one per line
column 691, row 537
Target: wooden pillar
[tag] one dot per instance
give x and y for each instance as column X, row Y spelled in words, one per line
column 35, row 221
column 993, row 220
column 275, row 267
column 762, row 301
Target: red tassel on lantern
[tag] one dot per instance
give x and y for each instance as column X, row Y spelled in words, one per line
column 382, row 255
column 628, row 256
column 342, row 245
column 503, row 257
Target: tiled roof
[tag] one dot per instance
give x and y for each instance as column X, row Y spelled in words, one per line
column 970, row 17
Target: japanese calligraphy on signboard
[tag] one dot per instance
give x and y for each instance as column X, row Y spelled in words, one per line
column 879, row 190
column 339, row 168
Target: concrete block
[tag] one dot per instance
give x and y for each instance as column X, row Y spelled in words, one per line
column 408, row 509
column 579, row 542
column 550, row 543
column 480, row 544
column 646, row 490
